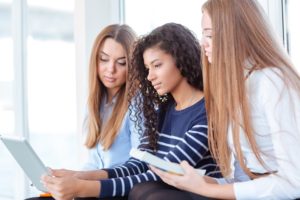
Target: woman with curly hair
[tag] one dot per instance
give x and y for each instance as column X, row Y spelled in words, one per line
column 167, row 70
column 166, row 82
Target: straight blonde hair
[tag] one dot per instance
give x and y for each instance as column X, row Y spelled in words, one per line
column 240, row 33
column 97, row 131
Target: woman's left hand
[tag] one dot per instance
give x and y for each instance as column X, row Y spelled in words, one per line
column 190, row 181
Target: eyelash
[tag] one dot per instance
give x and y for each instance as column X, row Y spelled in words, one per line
column 103, row 60
column 106, row 60
column 122, row 64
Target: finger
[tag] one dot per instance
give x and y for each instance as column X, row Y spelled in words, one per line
column 49, row 171
column 59, row 172
column 186, row 166
column 48, row 179
column 156, row 171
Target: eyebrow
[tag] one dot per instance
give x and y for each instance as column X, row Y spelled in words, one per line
column 102, row 52
column 150, row 62
column 153, row 61
column 207, row 29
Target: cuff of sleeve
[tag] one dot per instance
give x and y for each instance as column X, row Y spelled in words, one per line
column 244, row 190
column 111, row 173
column 106, row 188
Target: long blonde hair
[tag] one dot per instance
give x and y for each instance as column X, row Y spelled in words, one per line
column 98, row 132
column 240, row 32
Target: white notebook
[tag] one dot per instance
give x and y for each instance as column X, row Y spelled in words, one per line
column 160, row 163
column 28, row 160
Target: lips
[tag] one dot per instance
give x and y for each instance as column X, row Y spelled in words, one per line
column 109, row 79
column 156, row 86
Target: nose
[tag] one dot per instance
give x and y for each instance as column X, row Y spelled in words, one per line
column 203, row 42
column 111, row 67
column 151, row 75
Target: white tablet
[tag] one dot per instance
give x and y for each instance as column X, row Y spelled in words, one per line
column 27, row 159
column 160, row 163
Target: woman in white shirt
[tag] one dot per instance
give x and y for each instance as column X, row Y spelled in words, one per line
column 252, row 97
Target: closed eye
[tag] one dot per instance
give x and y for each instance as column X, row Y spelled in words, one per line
column 157, row 65
column 103, row 59
column 122, row 63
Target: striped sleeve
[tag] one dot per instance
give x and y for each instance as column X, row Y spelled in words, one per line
column 132, row 166
column 123, row 177
column 121, row 186
column 192, row 147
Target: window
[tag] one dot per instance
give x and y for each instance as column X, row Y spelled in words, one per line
column 144, row 16
column 293, row 31
column 51, row 80
column 48, row 98
column 7, row 112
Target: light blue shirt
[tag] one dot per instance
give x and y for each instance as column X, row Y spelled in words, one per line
column 118, row 153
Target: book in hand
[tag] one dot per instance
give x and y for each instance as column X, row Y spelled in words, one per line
column 160, row 163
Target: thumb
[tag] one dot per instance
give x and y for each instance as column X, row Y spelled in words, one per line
column 57, row 172
column 186, row 166
column 49, row 171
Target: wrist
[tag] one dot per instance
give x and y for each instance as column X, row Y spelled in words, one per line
column 80, row 175
column 86, row 188
column 209, row 188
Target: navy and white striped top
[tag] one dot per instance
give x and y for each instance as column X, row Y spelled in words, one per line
column 183, row 136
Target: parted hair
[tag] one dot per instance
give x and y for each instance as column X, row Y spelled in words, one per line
column 183, row 46
column 240, row 34
column 97, row 131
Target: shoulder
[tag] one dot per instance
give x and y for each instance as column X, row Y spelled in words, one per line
column 265, row 82
column 270, row 76
column 198, row 114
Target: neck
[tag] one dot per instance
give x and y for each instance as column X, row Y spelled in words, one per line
column 110, row 95
column 186, row 96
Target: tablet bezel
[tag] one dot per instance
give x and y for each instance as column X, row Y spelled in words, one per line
column 27, row 159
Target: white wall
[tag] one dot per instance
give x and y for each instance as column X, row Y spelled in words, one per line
column 273, row 9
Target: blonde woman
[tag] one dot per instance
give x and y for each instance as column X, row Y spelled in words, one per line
column 252, row 97
column 111, row 132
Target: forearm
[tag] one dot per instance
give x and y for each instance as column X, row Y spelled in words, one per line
column 92, row 175
column 87, row 188
column 216, row 191
column 210, row 180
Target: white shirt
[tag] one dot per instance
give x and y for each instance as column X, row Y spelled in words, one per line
column 275, row 114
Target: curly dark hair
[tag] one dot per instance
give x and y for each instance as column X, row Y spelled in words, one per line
column 183, row 46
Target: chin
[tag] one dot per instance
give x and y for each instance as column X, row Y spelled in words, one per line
column 209, row 60
column 160, row 93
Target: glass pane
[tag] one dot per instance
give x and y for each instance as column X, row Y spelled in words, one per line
column 51, row 82
column 150, row 15
column 7, row 118
column 294, row 31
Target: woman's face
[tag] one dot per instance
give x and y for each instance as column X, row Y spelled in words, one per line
column 112, row 65
column 162, row 70
column 206, row 41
